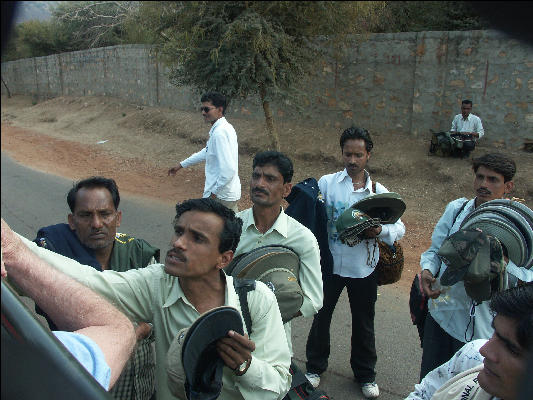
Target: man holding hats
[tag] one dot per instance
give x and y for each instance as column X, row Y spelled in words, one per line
column 190, row 284
column 353, row 267
column 454, row 316
column 267, row 224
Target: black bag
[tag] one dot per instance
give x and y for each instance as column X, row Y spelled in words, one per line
column 418, row 306
column 301, row 388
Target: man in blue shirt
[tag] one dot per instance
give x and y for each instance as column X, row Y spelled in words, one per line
column 449, row 324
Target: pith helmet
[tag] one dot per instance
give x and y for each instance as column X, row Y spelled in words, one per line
column 387, row 207
column 277, row 267
column 351, row 224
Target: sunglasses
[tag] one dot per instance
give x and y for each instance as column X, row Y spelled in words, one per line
column 206, row 109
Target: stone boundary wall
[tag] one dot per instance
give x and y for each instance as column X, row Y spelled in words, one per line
column 394, row 83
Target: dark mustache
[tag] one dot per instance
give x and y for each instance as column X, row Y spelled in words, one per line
column 178, row 254
column 483, row 191
column 257, row 190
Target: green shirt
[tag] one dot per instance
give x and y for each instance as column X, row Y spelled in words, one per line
column 151, row 295
column 288, row 232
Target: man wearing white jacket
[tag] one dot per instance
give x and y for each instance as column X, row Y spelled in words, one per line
column 221, row 154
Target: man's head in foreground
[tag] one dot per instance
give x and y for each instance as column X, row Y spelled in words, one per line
column 271, row 178
column 510, row 347
column 94, row 210
column 493, row 178
column 206, row 234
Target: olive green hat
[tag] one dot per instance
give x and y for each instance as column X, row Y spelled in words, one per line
column 277, row 267
column 351, row 224
column 476, row 258
column 387, row 207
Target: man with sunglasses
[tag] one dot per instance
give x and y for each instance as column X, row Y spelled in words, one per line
column 220, row 154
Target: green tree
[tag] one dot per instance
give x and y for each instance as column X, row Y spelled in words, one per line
column 244, row 48
column 415, row 16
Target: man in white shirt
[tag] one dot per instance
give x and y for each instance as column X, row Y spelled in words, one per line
column 467, row 126
column 484, row 369
column 221, row 154
column 353, row 267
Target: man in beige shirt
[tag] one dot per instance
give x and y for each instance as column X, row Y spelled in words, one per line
column 172, row 296
column 266, row 223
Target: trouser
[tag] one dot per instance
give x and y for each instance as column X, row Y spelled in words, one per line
column 362, row 294
column 232, row 205
column 438, row 346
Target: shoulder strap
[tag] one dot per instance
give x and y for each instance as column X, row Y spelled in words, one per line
column 453, row 222
column 242, row 287
column 459, row 212
column 373, row 186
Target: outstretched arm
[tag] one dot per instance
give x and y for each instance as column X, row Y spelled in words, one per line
column 72, row 306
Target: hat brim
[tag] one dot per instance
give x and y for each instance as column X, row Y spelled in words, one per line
column 259, row 260
column 495, row 225
column 198, row 355
column 525, row 228
column 387, row 207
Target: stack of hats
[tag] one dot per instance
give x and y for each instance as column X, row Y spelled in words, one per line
column 511, row 222
column 372, row 211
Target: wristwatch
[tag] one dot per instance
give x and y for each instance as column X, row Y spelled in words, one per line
column 241, row 369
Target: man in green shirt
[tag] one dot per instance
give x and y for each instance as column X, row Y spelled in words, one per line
column 172, row 296
column 266, row 223
column 91, row 238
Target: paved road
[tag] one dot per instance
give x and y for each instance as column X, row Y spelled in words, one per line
column 31, row 199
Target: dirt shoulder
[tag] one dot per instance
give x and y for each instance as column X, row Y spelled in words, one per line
column 76, row 137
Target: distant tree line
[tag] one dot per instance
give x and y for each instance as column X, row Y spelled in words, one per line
column 79, row 25
column 241, row 48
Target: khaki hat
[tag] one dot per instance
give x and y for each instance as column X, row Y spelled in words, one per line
column 520, row 215
column 351, row 224
column 502, row 228
column 387, row 207
column 476, row 258
column 277, row 267
column 194, row 368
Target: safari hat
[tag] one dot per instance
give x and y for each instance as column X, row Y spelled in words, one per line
column 387, row 207
column 476, row 258
column 525, row 228
column 351, row 224
column 503, row 229
column 194, row 368
column 277, row 267
column 518, row 220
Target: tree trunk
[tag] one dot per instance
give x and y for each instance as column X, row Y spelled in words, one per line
column 8, row 92
column 274, row 138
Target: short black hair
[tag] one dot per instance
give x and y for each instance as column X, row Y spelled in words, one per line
column 231, row 232
column 354, row 132
column 466, row 101
column 497, row 162
column 279, row 160
column 517, row 303
column 217, row 99
column 93, row 182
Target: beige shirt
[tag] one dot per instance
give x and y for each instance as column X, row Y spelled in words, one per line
column 151, row 295
column 288, row 232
